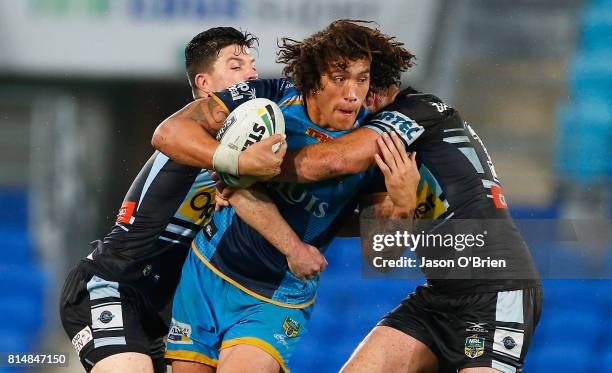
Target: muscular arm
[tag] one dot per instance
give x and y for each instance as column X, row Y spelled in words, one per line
column 349, row 154
column 259, row 211
column 188, row 136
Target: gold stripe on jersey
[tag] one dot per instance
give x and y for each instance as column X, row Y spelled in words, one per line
column 244, row 289
column 220, row 102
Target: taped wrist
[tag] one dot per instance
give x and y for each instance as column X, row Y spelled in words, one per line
column 225, row 159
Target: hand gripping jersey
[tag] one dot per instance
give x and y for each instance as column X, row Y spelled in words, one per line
column 458, row 182
column 237, row 252
column 167, row 204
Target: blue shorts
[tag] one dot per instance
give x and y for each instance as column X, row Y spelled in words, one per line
column 210, row 313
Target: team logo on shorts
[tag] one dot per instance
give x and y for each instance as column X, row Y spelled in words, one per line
column 180, row 333
column 509, row 342
column 476, row 327
column 106, row 317
column 474, row 346
column 291, row 327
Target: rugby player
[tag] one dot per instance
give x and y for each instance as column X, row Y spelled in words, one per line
column 115, row 303
column 238, row 306
column 480, row 324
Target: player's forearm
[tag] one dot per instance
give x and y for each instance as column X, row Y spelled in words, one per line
column 404, row 212
column 188, row 135
column 327, row 161
column 260, row 212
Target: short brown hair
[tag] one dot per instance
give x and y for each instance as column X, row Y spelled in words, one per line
column 203, row 50
column 340, row 42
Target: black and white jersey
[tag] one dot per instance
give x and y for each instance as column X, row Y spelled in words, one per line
column 167, row 204
column 458, row 183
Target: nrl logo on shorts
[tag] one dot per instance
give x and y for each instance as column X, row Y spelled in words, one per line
column 474, row 346
column 291, row 327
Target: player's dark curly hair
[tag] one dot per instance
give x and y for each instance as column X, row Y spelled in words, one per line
column 340, row 42
column 202, row 51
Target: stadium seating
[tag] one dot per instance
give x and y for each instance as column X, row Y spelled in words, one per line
column 573, row 334
column 22, row 280
column 585, row 121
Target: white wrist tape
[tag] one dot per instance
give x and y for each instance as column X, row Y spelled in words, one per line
column 225, row 159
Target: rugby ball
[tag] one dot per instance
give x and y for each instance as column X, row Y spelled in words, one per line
column 249, row 123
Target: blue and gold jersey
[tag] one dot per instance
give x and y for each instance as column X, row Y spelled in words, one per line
column 237, row 252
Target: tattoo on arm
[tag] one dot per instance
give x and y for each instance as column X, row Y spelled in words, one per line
column 209, row 114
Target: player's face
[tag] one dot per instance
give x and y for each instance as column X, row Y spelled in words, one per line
column 336, row 105
column 233, row 65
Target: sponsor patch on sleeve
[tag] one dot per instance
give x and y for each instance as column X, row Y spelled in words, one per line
column 125, row 212
column 408, row 129
column 82, row 338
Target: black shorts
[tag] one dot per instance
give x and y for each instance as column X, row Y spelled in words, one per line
column 104, row 318
column 471, row 330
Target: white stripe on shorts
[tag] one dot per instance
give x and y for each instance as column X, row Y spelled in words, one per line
column 509, row 306
column 505, row 368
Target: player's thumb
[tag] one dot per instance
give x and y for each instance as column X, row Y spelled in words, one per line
column 282, row 150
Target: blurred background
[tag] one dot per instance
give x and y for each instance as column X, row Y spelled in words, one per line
column 83, row 84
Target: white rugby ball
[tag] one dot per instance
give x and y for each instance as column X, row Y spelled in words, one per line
column 249, row 123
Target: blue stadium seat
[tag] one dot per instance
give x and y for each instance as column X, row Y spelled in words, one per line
column 606, row 359
column 562, row 356
column 22, row 279
column 590, row 76
column 16, row 341
column 14, row 202
column 584, row 125
column 15, row 245
column 597, row 27
column 581, row 324
column 21, row 313
column 580, row 293
column 564, row 260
